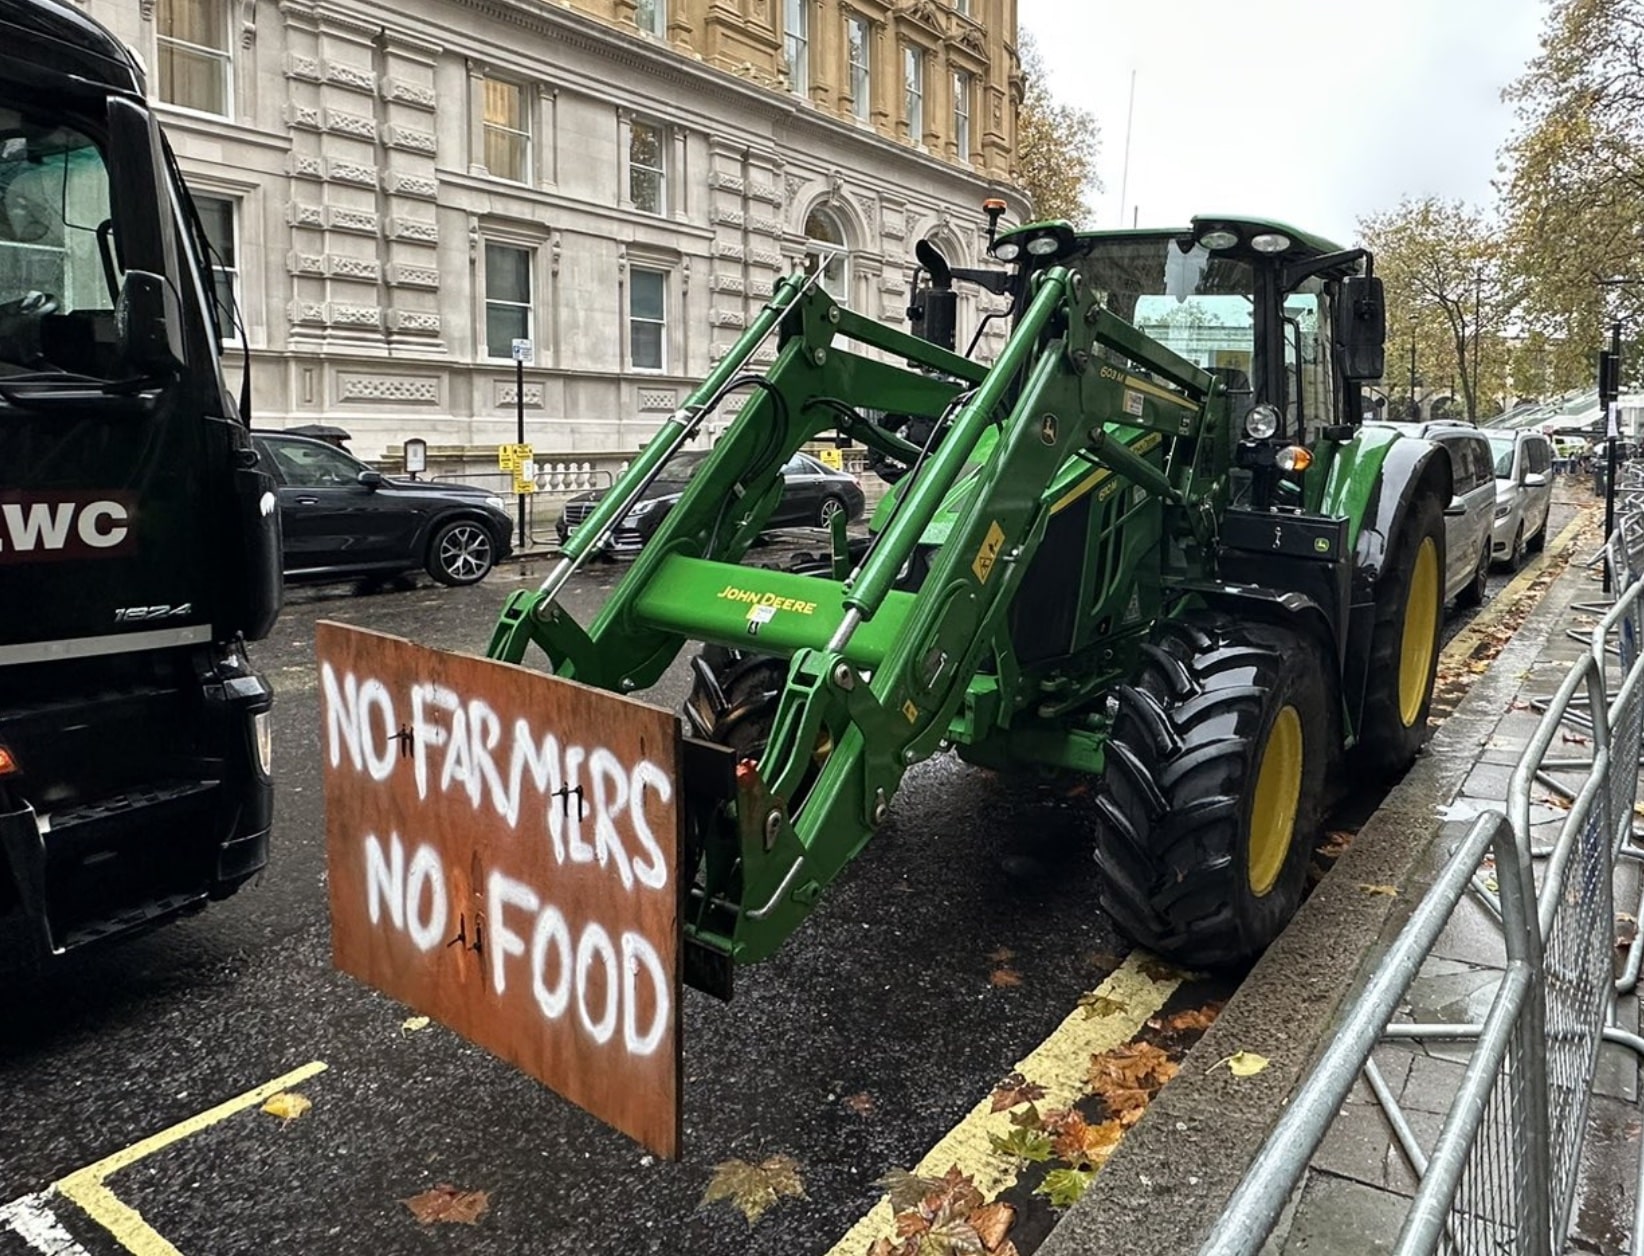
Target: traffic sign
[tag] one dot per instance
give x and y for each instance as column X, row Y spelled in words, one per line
column 523, row 351
column 511, row 457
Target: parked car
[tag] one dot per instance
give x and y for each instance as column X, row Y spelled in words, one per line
column 813, row 493
column 343, row 518
column 1467, row 515
column 1524, row 492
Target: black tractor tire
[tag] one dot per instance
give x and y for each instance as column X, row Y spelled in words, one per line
column 1473, row 592
column 1216, row 775
column 1404, row 644
column 461, row 552
column 734, row 696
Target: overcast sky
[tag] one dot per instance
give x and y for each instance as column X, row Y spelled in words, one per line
column 1314, row 112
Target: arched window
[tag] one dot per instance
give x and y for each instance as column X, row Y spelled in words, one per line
column 826, row 250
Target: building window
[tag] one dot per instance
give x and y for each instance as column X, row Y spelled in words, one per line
column 217, row 216
column 856, row 40
column 796, row 44
column 194, row 54
column 647, row 168
column 651, row 16
column 962, row 7
column 647, row 319
column 913, row 84
column 961, row 115
column 507, row 131
column 507, row 298
column 826, row 253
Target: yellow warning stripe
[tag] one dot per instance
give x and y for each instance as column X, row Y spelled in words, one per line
column 1079, row 490
column 1061, row 1064
column 88, row 1189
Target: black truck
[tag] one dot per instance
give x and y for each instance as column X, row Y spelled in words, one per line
column 139, row 540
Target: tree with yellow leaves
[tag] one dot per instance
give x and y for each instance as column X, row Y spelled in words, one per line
column 1056, row 146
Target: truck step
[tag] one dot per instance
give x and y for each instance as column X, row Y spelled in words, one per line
column 84, row 816
column 129, row 919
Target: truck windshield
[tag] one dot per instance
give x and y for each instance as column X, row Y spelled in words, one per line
column 59, row 269
column 1199, row 305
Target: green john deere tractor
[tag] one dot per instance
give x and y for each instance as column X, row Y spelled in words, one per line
column 1151, row 542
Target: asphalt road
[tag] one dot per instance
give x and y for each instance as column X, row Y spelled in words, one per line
column 853, row 1050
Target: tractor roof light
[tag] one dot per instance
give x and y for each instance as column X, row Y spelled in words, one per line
column 1261, row 422
column 1043, row 246
column 1007, row 250
column 1219, row 238
column 1270, row 242
column 1294, row 458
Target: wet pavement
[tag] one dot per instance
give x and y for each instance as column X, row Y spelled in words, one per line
column 875, row 1028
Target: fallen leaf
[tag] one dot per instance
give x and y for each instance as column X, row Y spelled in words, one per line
column 1245, row 1063
column 1157, row 970
column 1021, row 1144
column 1015, row 1089
column 1573, row 739
column 412, row 1024
column 1388, row 891
column 991, row 1223
column 1062, row 1187
column 1106, row 961
column 1004, row 978
column 1131, row 1066
column 905, row 1189
column 953, row 1237
column 288, row 1105
column 1336, row 844
column 1028, row 1118
column 445, row 1203
column 1194, row 1019
column 754, row 1188
column 860, row 1103
column 1101, row 1005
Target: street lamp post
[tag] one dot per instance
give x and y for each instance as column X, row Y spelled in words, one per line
column 1415, row 410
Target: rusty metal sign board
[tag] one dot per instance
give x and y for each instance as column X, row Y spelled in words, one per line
column 503, row 851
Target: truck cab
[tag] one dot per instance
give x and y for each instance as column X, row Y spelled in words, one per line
column 139, row 541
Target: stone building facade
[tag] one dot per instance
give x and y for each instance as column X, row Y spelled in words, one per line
column 398, row 190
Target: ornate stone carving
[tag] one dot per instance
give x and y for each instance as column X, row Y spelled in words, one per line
column 412, row 389
column 727, row 283
column 409, row 138
column 760, row 289
column 731, row 252
column 414, row 229
column 145, row 10
column 302, row 117
column 351, row 172
column 350, row 124
column 414, row 322
column 306, row 215
column 793, row 183
column 357, row 77
column 359, row 221
column 729, row 217
column 761, row 225
column 305, row 263
column 414, row 94
column 506, row 394
column 343, row 314
column 305, row 312
column 298, row 66
column 422, row 187
column 767, row 192
column 727, row 182
column 658, row 399
column 727, row 318
column 302, row 166
column 341, row 266
column 403, row 276
column 972, row 39
column 248, row 23
column 766, row 257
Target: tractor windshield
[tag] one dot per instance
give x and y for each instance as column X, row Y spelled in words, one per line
column 1200, row 305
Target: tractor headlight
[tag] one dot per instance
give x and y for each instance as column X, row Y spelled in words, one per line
column 1261, row 422
column 1294, row 458
column 1270, row 242
column 1220, row 238
column 1007, row 250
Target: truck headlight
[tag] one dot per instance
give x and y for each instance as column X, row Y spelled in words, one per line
column 262, row 731
column 1261, row 422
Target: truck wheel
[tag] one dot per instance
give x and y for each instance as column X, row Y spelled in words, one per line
column 1404, row 644
column 1215, row 780
column 461, row 553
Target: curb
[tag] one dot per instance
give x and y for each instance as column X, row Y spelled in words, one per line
column 1171, row 1177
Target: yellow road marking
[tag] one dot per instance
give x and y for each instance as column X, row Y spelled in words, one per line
column 88, row 1189
column 1061, row 1064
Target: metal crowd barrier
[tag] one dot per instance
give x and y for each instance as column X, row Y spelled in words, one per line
column 1503, row 1174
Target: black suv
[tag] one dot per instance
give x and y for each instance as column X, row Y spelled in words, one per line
column 342, row 518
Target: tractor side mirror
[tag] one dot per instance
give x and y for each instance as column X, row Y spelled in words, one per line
column 1361, row 328
column 935, row 313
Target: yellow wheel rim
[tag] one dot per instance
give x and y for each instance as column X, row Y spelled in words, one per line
column 1416, row 650
column 1278, row 791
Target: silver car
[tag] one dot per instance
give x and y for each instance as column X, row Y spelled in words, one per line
column 1524, row 491
column 1467, row 513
